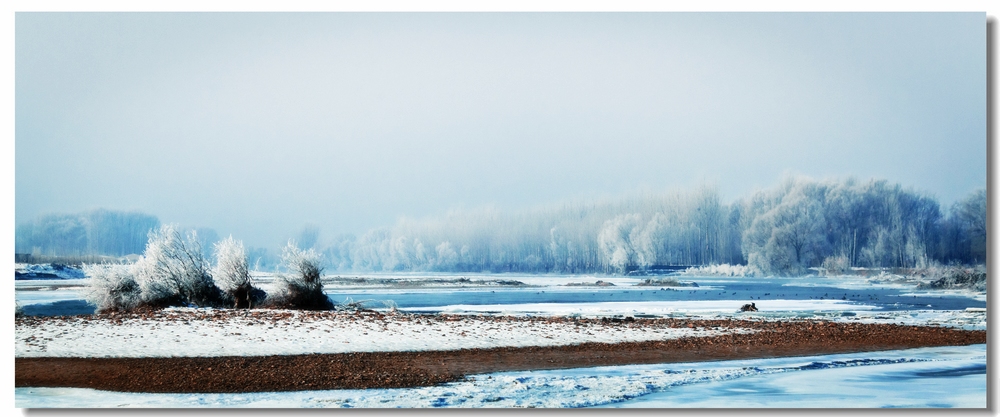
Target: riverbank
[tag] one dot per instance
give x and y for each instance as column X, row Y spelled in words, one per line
column 45, row 356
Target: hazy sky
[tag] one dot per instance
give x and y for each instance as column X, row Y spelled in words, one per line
column 256, row 124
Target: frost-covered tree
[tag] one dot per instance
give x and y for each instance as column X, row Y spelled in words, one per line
column 112, row 287
column 62, row 234
column 174, row 271
column 309, row 236
column 338, row 252
column 301, row 287
column 446, row 258
column 788, row 238
column 785, row 229
column 117, row 233
column 969, row 219
column 232, row 273
column 370, row 250
column 616, row 241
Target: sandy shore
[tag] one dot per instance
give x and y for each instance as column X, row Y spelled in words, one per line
column 732, row 339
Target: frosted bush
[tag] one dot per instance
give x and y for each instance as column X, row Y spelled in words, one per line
column 232, row 274
column 723, row 270
column 836, row 265
column 173, row 271
column 112, row 287
column 302, row 288
column 953, row 277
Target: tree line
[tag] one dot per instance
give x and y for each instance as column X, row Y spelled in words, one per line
column 783, row 230
column 95, row 232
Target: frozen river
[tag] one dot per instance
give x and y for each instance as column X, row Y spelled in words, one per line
column 911, row 378
column 557, row 294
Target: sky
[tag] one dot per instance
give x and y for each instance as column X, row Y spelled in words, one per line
column 257, row 124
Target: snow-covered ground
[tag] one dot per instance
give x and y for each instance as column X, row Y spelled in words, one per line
column 829, row 310
column 261, row 333
column 905, row 378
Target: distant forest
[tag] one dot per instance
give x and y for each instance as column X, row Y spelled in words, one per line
column 783, row 230
column 95, row 232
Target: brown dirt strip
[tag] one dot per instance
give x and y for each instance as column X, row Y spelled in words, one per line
column 412, row 369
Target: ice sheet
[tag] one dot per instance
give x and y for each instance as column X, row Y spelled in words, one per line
column 659, row 308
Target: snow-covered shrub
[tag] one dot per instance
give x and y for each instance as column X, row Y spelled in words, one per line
column 173, row 271
column 836, row 265
column 955, row 277
column 350, row 304
column 723, row 270
column 302, row 289
column 232, row 274
column 112, row 287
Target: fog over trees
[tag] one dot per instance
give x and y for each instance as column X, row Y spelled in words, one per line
column 101, row 232
column 782, row 230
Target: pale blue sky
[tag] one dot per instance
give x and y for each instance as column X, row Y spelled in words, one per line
column 257, row 123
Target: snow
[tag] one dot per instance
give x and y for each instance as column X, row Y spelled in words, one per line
column 658, row 308
column 973, row 294
column 44, row 291
column 902, row 378
column 259, row 334
column 896, row 379
column 46, row 271
column 961, row 319
column 725, row 270
column 47, row 296
column 830, row 310
column 427, row 279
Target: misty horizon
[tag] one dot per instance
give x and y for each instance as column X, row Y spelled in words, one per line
column 316, row 235
column 258, row 125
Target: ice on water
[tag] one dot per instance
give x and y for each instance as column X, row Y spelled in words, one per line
column 903, row 378
column 910, row 378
